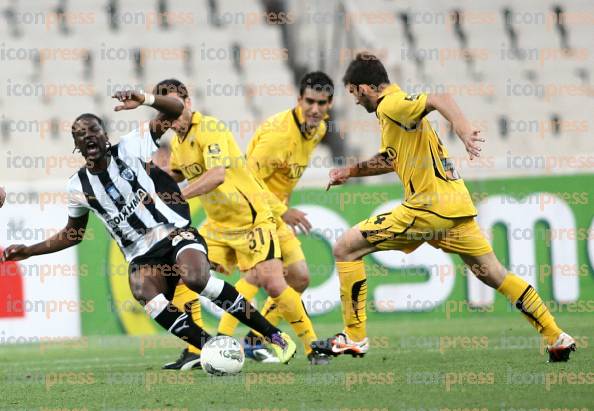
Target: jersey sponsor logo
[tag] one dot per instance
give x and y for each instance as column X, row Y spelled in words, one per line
column 128, row 209
column 214, row 149
column 112, row 191
column 412, row 97
column 127, row 174
column 192, row 170
column 295, row 170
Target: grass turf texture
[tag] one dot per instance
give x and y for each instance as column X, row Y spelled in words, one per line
column 488, row 361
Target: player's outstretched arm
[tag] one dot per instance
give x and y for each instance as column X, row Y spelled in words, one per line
column 207, row 182
column 447, row 107
column 375, row 166
column 69, row 236
column 169, row 107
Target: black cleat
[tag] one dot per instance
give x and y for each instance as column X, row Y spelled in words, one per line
column 186, row 361
column 316, row 358
column 559, row 352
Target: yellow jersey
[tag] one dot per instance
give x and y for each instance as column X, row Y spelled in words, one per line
column 419, row 157
column 280, row 151
column 240, row 202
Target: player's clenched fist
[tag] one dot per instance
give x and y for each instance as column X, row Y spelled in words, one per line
column 16, row 252
column 2, row 196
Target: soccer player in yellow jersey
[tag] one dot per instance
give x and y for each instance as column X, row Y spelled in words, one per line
column 278, row 154
column 240, row 228
column 437, row 208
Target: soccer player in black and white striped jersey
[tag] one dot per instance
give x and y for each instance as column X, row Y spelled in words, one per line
column 144, row 211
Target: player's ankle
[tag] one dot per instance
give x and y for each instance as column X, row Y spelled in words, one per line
column 355, row 335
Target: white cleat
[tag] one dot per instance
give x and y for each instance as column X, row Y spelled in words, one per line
column 341, row 344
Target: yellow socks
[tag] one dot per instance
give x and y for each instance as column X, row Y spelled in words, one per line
column 527, row 300
column 228, row 323
column 291, row 308
column 271, row 313
column 188, row 301
column 353, row 295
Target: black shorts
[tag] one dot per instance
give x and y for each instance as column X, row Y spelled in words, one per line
column 164, row 254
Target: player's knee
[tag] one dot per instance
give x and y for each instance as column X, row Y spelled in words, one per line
column 341, row 251
column 142, row 292
column 299, row 281
column 195, row 273
column 274, row 285
column 298, row 275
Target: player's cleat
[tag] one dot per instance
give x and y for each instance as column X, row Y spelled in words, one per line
column 266, row 356
column 186, row 361
column 316, row 358
column 559, row 352
column 282, row 346
column 341, row 344
column 249, row 349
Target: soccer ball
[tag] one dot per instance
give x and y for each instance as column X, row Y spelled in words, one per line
column 222, row 355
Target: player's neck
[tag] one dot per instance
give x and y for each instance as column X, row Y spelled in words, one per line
column 96, row 167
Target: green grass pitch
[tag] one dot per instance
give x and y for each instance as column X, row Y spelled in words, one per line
column 487, row 362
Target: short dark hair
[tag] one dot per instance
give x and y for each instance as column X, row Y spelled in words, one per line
column 171, row 85
column 365, row 69
column 317, row 81
column 88, row 116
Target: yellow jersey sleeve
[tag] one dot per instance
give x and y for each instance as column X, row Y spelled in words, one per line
column 267, row 154
column 215, row 149
column 405, row 109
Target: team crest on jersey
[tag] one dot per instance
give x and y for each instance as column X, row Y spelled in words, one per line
column 214, row 149
column 127, row 174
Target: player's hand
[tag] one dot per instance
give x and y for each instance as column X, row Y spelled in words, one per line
column 338, row 176
column 471, row 140
column 2, row 196
column 130, row 99
column 296, row 219
column 16, row 252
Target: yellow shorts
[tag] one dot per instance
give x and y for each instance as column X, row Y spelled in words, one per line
column 406, row 229
column 290, row 245
column 244, row 248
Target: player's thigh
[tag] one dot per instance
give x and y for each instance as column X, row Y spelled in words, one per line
column 464, row 237
column 352, row 246
column 290, row 245
column 220, row 251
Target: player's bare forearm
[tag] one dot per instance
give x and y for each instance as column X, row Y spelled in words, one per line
column 449, row 109
column 375, row 166
column 206, row 183
column 172, row 107
column 69, row 236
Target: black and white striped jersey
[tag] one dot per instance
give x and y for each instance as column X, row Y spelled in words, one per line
column 138, row 202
